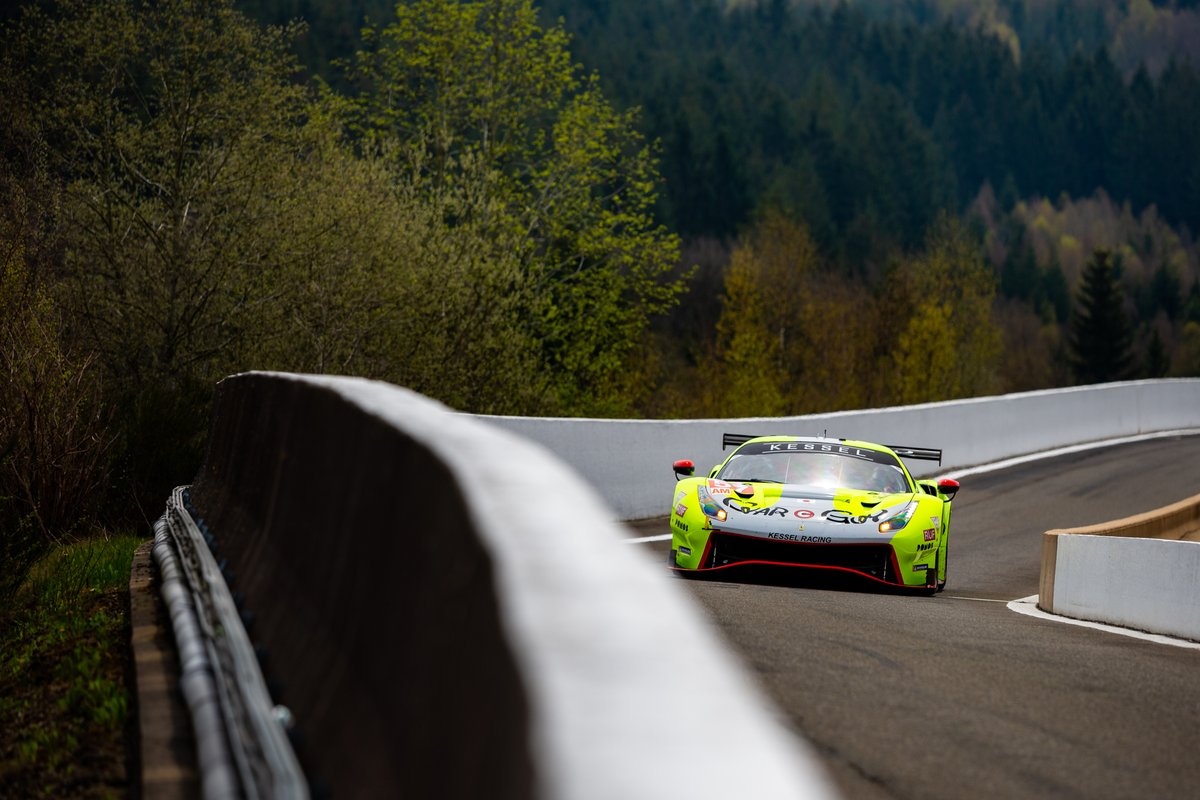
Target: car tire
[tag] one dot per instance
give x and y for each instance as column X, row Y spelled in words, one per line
column 941, row 584
column 930, row 587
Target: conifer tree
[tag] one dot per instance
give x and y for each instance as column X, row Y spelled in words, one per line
column 1101, row 337
column 1157, row 362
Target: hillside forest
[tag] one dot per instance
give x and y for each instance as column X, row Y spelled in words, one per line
column 659, row 208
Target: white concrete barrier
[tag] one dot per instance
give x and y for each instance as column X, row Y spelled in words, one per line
column 1146, row 584
column 1140, row 572
column 406, row 560
column 629, row 461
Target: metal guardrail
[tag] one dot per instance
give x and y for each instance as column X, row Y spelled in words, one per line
column 241, row 735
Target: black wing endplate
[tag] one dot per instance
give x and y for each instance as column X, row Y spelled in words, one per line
column 736, row 439
column 919, row 453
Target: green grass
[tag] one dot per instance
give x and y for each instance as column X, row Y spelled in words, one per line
column 64, row 673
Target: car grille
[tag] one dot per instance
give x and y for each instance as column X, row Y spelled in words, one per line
column 873, row 559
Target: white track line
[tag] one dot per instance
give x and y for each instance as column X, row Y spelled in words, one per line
column 1028, row 607
column 974, row 599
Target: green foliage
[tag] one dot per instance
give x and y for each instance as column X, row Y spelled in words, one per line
column 171, row 121
column 478, row 221
column 1101, row 337
column 795, row 337
column 1041, row 246
column 53, row 431
column 169, row 125
column 755, row 355
column 456, row 78
column 864, row 120
column 63, row 664
column 877, row 112
column 1186, row 363
column 481, row 113
column 1032, row 353
column 946, row 344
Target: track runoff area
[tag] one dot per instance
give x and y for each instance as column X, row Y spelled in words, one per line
column 1028, row 605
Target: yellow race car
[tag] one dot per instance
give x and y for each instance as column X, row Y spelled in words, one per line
column 821, row 503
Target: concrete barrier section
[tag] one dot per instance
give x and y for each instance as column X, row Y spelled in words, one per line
column 1147, row 584
column 448, row 612
column 1140, row 572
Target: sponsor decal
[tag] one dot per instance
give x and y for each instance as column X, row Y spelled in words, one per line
column 720, row 487
column 679, row 497
column 834, row 515
column 920, row 567
column 792, row 537
column 930, row 534
column 814, row 447
column 680, row 510
column 845, row 451
column 937, row 522
column 685, row 551
column 803, row 513
column 681, row 526
column 755, row 512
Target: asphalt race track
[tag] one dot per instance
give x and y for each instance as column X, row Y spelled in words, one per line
column 957, row 696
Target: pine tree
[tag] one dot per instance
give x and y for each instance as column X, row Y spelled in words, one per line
column 1157, row 362
column 1101, row 338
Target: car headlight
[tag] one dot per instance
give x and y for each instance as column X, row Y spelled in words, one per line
column 709, row 505
column 897, row 517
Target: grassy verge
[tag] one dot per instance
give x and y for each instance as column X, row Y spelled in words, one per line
column 66, row 677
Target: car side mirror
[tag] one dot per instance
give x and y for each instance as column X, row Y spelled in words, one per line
column 948, row 487
column 684, row 468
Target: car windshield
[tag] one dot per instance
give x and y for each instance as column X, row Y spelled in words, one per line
column 820, row 466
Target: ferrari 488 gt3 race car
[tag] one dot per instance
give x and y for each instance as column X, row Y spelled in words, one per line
column 815, row 502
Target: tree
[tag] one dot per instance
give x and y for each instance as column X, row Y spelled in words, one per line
column 761, row 337
column 1101, row 336
column 944, row 343
column 168, row 122
column 1186, row 361
column 1157, row 362
column 793, row 337
column 169, row 125
column 54, row 435
column 482, row 112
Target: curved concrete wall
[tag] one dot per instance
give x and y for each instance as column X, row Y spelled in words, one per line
column 1139, row 572
column 450, row 613
column 629, row 461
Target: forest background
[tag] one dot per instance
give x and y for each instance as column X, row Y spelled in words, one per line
column 662, row 208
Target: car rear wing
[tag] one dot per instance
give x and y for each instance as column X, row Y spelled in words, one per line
column 736, row 439
column 919, row 453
